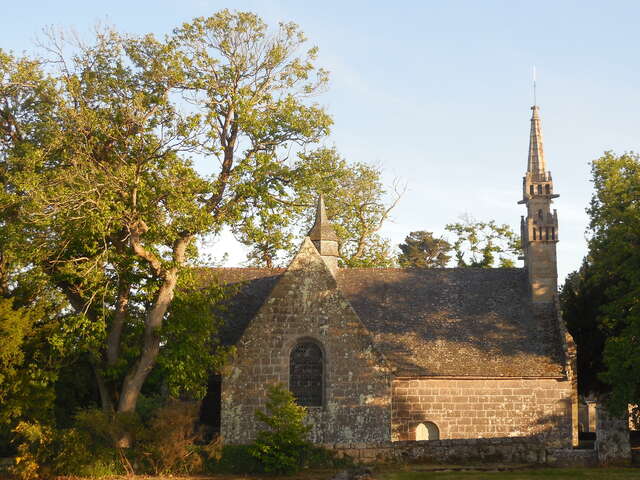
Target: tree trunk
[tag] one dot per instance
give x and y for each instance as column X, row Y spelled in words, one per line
column 135, row 378
column 106, row 400
column 119, row 317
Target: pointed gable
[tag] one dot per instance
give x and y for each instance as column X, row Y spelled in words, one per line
column 306, row 305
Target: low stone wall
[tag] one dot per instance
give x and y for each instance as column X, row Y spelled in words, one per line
column 463, row 451
column 570, row 457
column 612, row 438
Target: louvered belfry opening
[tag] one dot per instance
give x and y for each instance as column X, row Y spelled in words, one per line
column 305, row 374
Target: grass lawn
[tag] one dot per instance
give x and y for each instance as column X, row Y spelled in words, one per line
column 427, row 473
column 537, row 474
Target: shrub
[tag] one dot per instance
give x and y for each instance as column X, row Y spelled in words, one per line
column 32, row 441
column 320, row 457
column 168, row 443
column 44, row 451
column 236, row 459
column 283, row 446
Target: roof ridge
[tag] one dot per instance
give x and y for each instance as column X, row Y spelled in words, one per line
column 243, row 268
column 418, row 269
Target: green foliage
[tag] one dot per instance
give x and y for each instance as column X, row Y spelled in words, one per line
column 30, row 360
column 320, row 457
column 614, row 259
column 422, row 250
column 102, row 205
column 43, row 451
column 166, row 443
column 283, row 446
column 356, row 201
column 34, row 441
column 356, row 205
column 15, row 326
column 191, row 350
column 237, row 459
column 477, row 243
column 580, row 300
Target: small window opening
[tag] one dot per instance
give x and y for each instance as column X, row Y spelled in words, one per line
column 547, row 189
column 531, row 190
column 540, row 214
column 547, row 233
column 539, row 189
column 427, row 431
column 553, row 233
column 306, row 374
column 534, row 234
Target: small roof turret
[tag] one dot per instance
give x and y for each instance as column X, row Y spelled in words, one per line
column 322, row 229
column 324, row 237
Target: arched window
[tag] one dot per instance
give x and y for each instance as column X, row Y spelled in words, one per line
column 553, row 233
column 306, row 372
column 540, row 214
column 547, row 231
column 531, row 189
column 539, row 189
column 547, row 189
column 427, row 431
column 534, row 234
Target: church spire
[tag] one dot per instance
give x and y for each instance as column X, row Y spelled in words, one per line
column 536, row 164
column 539, row 230
column 324, row 236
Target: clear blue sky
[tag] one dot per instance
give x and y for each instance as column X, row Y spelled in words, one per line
column 438, row 92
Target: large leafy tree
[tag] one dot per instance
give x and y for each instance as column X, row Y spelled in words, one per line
column 422, row 250
column 580, row 297
column 357, row 207
column 614, row 268
column 106, row 190
column 34, row 325
column 483, row 244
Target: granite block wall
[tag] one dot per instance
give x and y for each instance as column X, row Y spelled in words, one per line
column 306, row 304
column 491, row 408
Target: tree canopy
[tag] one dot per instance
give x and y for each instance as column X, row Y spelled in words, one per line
column 356, row 205
column 422, row 250
column 607, row 288
column 471, row 242
column 102, row 201
column 478, row 243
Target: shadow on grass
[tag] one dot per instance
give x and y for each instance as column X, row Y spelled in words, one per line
column 529, row 474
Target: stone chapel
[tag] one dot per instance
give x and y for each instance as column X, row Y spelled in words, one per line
column 388, row 355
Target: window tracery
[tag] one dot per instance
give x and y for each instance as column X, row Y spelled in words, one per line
column 306, row 370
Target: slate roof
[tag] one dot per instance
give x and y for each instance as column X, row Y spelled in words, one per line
column 251, row 286
column 431, row 322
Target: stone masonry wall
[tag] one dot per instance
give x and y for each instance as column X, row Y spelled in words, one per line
column 612, row 437
column 492, row 408
column 516, row 450
column 306, row 304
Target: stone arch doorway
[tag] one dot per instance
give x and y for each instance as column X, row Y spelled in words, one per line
column 427, row 431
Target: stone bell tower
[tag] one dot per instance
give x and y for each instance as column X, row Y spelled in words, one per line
column 539, row 230
column 324, row 236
